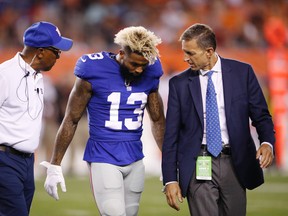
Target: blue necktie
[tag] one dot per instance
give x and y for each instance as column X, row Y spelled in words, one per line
column 213, row 132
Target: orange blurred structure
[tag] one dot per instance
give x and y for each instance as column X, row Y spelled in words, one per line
column 277, row 55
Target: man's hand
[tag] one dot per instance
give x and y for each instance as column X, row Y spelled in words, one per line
column 54, row 176
column 173, row 195
column 265, row 155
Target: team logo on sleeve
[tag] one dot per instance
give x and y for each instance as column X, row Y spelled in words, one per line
column 83, row 59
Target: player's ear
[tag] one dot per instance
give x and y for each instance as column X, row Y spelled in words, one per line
column 122, row 52
column 121, row 55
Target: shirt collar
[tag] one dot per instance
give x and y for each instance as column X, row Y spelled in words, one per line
column 25, row 66
column 216, row 68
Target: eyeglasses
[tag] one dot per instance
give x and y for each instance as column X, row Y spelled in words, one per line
column 57, row 52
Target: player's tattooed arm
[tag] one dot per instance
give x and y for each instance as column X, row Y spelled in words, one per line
column 76, row 106
column 156, row 112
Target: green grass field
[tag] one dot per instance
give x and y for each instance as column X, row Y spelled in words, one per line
column 271, row 199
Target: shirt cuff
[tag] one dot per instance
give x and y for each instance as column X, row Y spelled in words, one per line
column 164, row 188
column 171, row 182
column 268, row 144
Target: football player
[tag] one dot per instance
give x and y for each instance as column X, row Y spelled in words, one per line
column 114, row 89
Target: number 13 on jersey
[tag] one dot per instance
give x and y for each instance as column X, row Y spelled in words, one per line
column 129, row 123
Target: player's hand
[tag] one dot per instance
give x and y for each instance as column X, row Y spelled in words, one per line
column 265, row 155
column 173, row 195
column 54, row 177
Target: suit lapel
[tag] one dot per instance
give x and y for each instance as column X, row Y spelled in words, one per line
column 195, row 90
column 227, row 87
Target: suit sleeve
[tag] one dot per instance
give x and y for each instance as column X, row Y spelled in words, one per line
column 169, row 150
column 258, row 110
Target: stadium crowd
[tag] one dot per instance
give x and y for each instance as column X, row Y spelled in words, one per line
column 92, row 23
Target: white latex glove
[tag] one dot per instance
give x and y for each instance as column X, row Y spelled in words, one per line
column 54, row 176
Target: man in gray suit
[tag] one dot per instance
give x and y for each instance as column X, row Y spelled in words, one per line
column 210, row 156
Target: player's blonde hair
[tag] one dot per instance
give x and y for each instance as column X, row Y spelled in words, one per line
column 140, row 40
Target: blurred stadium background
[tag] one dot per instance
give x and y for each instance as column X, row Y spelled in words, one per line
column 254, row 31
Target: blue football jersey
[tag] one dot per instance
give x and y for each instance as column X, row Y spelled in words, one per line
column 115, row 111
